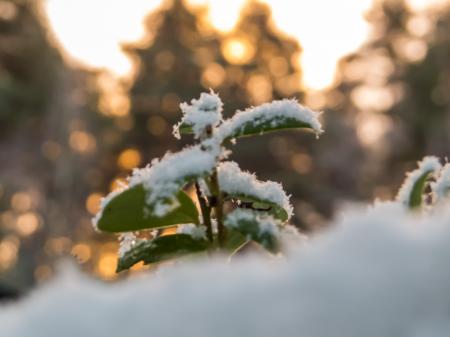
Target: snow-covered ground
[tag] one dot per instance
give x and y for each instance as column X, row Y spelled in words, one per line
column 379, row 273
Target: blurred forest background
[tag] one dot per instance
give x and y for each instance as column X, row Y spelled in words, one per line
column 69, row 135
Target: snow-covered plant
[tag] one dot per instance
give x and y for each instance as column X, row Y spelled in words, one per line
column 235, row 207
column 426, row 186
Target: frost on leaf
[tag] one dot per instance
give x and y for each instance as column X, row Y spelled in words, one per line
column 411, row 192
column 245, row 186
column 196, row 232
column 441, row 188
column 283, row 114
column 201, row 113
column 164, row 178
column 261, row 228
column 126, row 242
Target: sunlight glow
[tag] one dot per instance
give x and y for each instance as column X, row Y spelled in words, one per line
column 326, row 29
column 238, row 50
column 91, row 31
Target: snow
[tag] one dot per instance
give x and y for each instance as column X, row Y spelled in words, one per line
column 274, row 111
column 267, row 224
column 196, row 232
column 441, row 188
column 165, row 177
column 201, row 113
column 236, row 182
column 126, row 242
column 429, row 164
column 382, row 272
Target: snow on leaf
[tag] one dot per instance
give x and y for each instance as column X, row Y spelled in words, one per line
column 201, row 113
column 411, row 192
column 126, row 242
column 244, row 185
column 196, row 232
column 282, row 114
column 129, row 211
column 165, row 177
column 441, row 188
column 261, row 228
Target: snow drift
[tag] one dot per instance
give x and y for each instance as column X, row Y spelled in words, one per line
column 382, row 272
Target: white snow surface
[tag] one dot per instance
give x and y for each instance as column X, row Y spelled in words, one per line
column 288, row 108
column 441, row 188
column 381, row 273
column 428, row 164
column 206, row 111
column 233, row 180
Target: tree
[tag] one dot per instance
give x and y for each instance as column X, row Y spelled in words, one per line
column 393, row 88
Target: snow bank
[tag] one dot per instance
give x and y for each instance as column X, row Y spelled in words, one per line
column 377, row 273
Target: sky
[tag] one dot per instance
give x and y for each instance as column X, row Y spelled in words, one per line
column 91, row 31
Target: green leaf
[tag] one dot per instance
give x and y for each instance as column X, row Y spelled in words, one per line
column 128, row 211
column 266, row 206
column 262, row 125
column 253, row 226
column 416, row 195
column 185, row 129
column 162, row 248
column 234, row 241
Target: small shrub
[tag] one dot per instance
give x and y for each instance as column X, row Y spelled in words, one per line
column 426, row 186
column 235, row 207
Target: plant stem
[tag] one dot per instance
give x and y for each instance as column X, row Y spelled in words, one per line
column 206, row 212
column 218, row 207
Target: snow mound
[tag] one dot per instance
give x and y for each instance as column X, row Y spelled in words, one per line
column 381, row 272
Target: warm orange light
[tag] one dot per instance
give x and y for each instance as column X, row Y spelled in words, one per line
column 238, row 50
column 373, row 98
column 57, row 246
column 259, row 88
column 28, row 223
column 106, row 266
column 302, row 163
column 93, row 202
column 9, row 247
column 129, row 159
column 82, row 142
column 21, row 202
column 371, row 127
column 82, row 252
column 117, row 183
column 213, row 75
